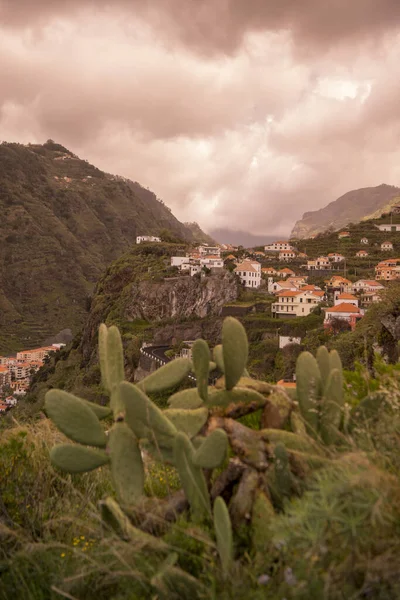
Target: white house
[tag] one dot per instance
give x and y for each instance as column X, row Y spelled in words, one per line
column 362, row 254
column 296, row 304
column 340, row 298
column 11, row 401
column 367, row 285
column 249, row 273
column 335, row 257
column 212, row 262
column 364, row 240
column 278, row 246
column 389, row 227
column 206, row 250
column 286, row 340
column 275, row 287
column 343, row 234
column 287, row 255
column 386, row 246
column 147, row 238
column 345, row 312
column 178, row 261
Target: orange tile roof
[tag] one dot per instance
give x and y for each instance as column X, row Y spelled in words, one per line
column 344, row 308
column 245, row 266
column 318, row 293
column 346, row 297
column 288, row 384
column 286, row 270
column 309, row 288
column 288, row 293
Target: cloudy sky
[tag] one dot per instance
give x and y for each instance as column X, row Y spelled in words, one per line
column 240, row 114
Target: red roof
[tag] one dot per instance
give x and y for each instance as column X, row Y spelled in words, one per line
column 345, row 307
column 288, row 293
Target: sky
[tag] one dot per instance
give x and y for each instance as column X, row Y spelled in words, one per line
column 239, row 114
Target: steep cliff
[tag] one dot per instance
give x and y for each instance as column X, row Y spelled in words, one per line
column 355, row 206
column 62, row 222
column 140, row 291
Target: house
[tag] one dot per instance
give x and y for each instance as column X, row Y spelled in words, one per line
column 258, row 253
column 278, row 246
column 345, row 312
column 178, row 261
column 21, row 370
column 249, row 273
column 385, row 246
column 147, row 238
column 302, row 255
column 362, row 254
column 212, row 262
column 207, row 250
column 230, row 257
column 287, row 255
column 322, row 263
column 344, row 297
column 338, row 282
column 11, row 401
column 336, row 257
column 5, row 377
column 281, row 286
column 3, row 407
column 296, row 303
column 369, row 298
column 36, row 354
column 364, row 240
column 388, row 270
column 396, row 210
column 286, row 272
column 367, row 285
column 389, row 227
column 343, row 234
column 269, row 271
column 286, row 340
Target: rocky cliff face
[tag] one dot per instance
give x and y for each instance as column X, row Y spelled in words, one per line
column 354, row 206
column 180, row 297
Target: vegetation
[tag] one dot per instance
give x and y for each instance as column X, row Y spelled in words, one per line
column 190, row 502
column 63, row 221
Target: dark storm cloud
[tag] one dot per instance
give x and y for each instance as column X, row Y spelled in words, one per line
column 239, row 114
column 211, row 25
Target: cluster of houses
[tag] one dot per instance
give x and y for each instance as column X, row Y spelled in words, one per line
column 16, row 373
column 201, row 257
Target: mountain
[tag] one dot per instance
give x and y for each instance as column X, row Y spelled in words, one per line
column 198, row 234
column 62, row 222
column 365, row 203
column 242, row 238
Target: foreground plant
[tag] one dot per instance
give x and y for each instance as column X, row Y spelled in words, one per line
column 196, row 434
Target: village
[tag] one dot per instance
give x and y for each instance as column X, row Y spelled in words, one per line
column 16, row 373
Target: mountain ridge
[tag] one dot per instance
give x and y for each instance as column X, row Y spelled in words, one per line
column 353, row 206
column 63, row 222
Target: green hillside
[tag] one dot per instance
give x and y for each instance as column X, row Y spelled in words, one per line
column 353, row 206
column 62, row 222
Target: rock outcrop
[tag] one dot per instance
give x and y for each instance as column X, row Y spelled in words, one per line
column 180, row 297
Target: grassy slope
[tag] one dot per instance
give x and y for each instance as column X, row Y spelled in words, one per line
column 57, row 236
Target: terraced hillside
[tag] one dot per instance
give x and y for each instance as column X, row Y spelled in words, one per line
column 62, row 222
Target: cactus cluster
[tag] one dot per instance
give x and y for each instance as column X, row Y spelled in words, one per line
column 319, row 388
column 197, row 433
